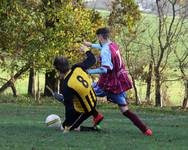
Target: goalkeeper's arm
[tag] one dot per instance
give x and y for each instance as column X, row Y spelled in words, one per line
column 57, row 96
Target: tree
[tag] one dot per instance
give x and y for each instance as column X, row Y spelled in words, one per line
column 21, row 36
column 160, row 42
column 149, row 82
column 125, row 13
column 169, row 28
column 181, row 54
column 136, row 56
column 26, row 36
column 69, row 23
column 31, row 84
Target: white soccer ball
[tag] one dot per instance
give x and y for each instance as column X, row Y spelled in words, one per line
column 53, row 121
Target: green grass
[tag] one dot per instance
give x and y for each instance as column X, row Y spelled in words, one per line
column 22, row 128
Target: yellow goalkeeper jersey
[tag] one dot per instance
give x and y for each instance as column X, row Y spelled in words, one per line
column 78, row 92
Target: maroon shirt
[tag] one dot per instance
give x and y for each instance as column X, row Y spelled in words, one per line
column 115, row 80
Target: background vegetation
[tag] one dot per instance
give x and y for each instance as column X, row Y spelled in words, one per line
column 154, row 46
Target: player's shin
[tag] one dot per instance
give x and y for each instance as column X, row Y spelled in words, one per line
column 135, row 119
column 97, row 117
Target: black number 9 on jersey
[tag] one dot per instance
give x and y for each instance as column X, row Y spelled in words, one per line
column 84, row 82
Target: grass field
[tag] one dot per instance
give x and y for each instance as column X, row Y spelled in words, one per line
column 22, row 128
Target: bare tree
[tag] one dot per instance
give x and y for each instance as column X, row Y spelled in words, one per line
column 135, row 55
column 169, row 29
column 149, row 82
column 182, row 57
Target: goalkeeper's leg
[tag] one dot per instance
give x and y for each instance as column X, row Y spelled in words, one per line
column 97, row 117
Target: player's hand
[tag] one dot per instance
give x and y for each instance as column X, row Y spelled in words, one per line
column 59, row 97
column 84, row 49
column 88, row 44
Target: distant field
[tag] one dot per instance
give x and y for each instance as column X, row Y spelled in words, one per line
column 22, row 83
column 22, row 128
column 174, row 91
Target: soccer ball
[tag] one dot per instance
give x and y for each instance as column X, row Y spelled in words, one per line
column 53, row 121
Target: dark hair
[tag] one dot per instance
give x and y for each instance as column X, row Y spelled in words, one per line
column 61, row 64
column 104, row 32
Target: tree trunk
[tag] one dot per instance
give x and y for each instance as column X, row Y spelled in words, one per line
column 51, row 82
column 186, row 95
column 14, row 91
column 10, row 82
column 31, row 84
column 157, row 88
column 136, row 92
column 38, row 93
column 148, row 81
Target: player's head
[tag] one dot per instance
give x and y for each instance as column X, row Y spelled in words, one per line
column 61, row 64
column 103, row 34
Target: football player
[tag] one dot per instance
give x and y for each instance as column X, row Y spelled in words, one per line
column 77, row 92
column 113, row 80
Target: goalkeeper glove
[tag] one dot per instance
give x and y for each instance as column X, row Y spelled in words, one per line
column 59, row 97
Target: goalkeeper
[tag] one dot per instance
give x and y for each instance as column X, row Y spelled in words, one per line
column 78, row 95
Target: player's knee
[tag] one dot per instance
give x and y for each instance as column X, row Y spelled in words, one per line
column 123, row 108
